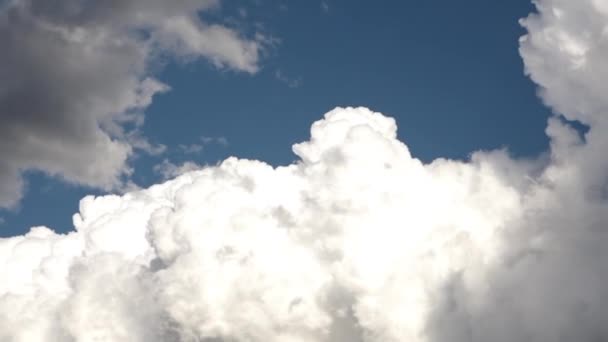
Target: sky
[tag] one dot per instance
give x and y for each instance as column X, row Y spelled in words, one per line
column 206, row 170
column 450, row 74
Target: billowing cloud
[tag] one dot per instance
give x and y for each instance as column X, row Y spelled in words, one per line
column 356, row 241
column 565, row 53
column 548, row 283
column 76, row 78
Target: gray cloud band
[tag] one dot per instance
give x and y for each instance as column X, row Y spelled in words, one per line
column 76, row 73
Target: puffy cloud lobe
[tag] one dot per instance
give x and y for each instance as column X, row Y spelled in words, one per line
column 548, row 283
column 565, row 52
column 357, row 241
column 354, row 242
column 77, row 78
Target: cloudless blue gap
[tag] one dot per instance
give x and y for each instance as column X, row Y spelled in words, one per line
column 581, row 128
column 450, row 74
column 46, row 203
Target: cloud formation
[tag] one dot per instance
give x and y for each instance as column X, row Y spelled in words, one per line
column 290, row 82
column 356, row 241
column 77, row 76
column 167, row 169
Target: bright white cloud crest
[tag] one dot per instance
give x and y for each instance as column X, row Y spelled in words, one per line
column 357, row 241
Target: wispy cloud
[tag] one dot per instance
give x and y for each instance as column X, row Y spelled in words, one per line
column 324, row 7
column 290, row 82
column 167, row 169
column 191, row 149
column 222, row 141
column 200, row 146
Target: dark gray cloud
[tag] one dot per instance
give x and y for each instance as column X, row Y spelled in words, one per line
column 75, row 79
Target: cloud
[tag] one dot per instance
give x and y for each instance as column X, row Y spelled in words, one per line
column 191, row 149
column 204, row 141
column 77, row 77
column 565, row 53
column 290, row 82
column 548, row 283
column 356, row 241
column 222, row 141
column 167, row 169
column 324, row 7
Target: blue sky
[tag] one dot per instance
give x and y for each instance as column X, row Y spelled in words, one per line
column 450, row 73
